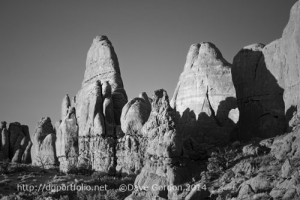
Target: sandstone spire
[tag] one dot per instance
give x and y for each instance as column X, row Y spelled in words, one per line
column 205, row 95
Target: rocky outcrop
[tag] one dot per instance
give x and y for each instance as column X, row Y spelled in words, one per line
column 164, row 162
column 4, row 141
column 15, row 143
column 205, row 98
column 43, row 151
column 67, row 138
column 98, row 107
column 102, row 64
column 266, row 79
column 131, row 145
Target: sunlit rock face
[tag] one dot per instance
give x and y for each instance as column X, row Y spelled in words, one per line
column 205, row 97
column 43, row 152
column 267, row 83
column 67, row 137
column 94, row 114
column 102, row 64
column 131, row 145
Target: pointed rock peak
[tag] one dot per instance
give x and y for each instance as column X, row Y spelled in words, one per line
column 209, row 49
column 3, row 124
column 293, row 26
column 100, row 38
column 144, row 96
column 66, row 103
column 101, row 60
column 203, row 54
column 160, row 99
column 66, row 100
column 45, row 125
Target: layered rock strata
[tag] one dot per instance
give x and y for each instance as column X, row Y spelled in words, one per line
column 205, row 98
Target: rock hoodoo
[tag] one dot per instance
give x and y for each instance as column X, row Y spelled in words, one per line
column 43, row 152
column 99, row 105
column 205, row 97
column 67, row 138
column 15, row 143
column 91, row 122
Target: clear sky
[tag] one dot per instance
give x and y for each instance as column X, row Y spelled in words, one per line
column 43, row 44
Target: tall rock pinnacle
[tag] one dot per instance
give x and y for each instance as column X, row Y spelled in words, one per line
column 205, row 95
column 97, row 108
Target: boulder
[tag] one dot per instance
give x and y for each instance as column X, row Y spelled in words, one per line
column 204, row 98
column 135, row 113
column 43, row 151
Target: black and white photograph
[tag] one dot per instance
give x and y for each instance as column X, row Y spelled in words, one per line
column 150, row 100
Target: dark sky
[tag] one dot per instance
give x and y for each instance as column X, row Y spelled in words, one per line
column 43, row 44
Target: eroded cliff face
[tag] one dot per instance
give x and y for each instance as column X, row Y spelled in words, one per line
column 205, row 98
column 267, row 83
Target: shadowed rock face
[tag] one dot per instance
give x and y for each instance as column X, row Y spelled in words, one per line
column 205, row 95
column 43, row 152
column 267, row 82
column 15, row 143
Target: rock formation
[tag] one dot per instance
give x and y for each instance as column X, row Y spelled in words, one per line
column 67, row 138
column 92, row 120
column 164, row 162
column 15, row 143
column 205, row 98
column 266, row 79
column 131, row 145
column 102, row 64
column 43, row 151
